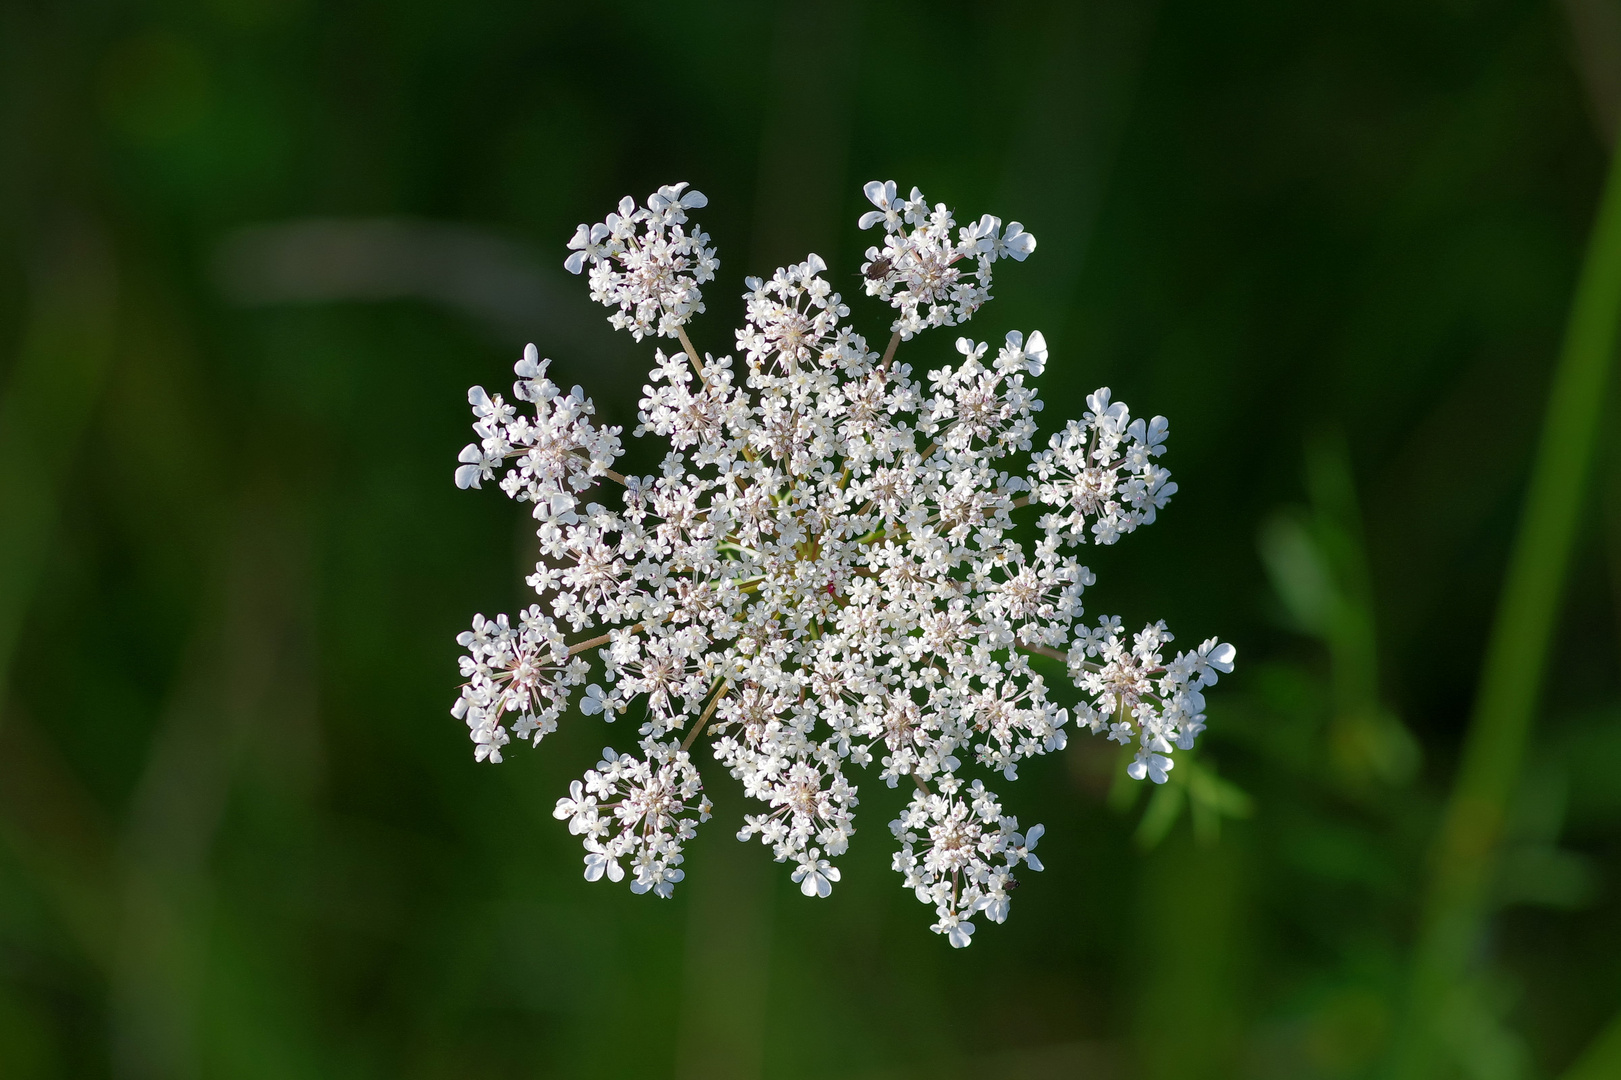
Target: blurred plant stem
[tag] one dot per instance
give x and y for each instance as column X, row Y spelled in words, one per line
column 1366, row 742
column 1193, row 911
column 1456, row 901
column 245, row 673
column 1317, row 561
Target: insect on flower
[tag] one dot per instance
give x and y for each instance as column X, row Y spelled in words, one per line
column 821, row 577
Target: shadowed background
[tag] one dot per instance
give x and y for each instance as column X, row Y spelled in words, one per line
column 252, row 254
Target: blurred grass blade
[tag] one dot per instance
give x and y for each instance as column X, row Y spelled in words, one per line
column 45, row 406
column 52, row 826
column 1601, row 1060
column 1516, row 655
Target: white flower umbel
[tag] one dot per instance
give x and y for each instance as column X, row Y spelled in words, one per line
column 823, row 573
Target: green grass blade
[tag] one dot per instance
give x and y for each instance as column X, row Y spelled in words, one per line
column 1516, row 655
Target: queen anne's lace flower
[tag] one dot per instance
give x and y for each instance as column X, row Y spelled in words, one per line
column 822, row 574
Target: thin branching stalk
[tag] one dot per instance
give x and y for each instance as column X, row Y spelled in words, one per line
column 720, row 692
column 889, row 351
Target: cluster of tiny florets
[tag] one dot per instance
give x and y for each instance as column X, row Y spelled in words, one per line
column 645, row 263
column 930, row 276
column 822, row 575
column 652, row 807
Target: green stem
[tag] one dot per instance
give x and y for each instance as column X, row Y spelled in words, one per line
column 1456, row 903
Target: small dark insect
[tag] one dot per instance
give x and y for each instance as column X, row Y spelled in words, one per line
column 878, row 269
column 1012, row 883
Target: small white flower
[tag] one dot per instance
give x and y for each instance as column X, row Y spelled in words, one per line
column 1015, row 243
column 959, row 932
column 1022, row 849
column 579, row 809
column 599, row 862
column 1030, row 355
column 1154, row 766
column 930, row 277
column 656, row 875
column 815, row 876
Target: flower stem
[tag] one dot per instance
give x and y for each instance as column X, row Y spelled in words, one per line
column 692, row 736
column 692, row 354
column 1046, row 650
column 889, row 351
column 609, row 473
column 602, row 640
column 1457, row 902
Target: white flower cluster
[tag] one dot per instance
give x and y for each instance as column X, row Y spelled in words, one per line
column 959, row 837
column 823, row 573
column 645, row 263
column 651, row 804
column 1103, row 471
column 527, row 671
column 558, row 453
column 925, row 274
column 1139, row 695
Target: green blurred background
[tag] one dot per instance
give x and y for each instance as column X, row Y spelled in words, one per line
column 253, row 252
